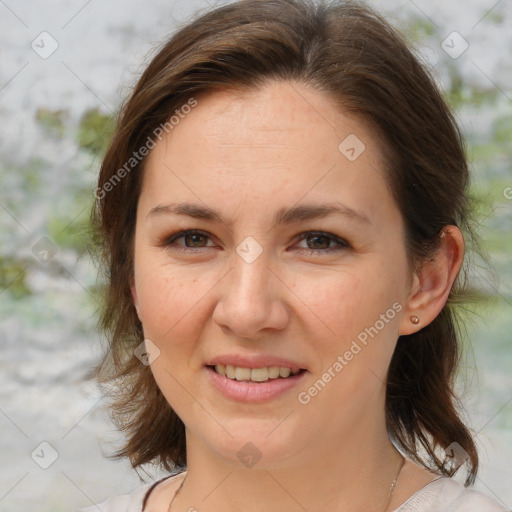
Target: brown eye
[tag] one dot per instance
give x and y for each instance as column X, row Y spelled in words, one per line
column 195, row 240
column 187, row 240
column 319, row 242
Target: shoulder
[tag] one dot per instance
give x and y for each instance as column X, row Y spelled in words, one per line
column 133, row 502
column 125, row 503
column 447, row 495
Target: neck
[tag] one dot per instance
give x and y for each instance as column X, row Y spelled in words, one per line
column 353, row 474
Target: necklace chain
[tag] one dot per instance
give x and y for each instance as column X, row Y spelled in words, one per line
column 393, row 483
column 391, row 487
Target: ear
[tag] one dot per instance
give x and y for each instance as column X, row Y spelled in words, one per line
column 134, row 296
column 432, row 284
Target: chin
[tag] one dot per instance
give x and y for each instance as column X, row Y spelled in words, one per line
column 257, row 444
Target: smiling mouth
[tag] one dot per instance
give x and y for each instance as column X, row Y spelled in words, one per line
column 264, row 374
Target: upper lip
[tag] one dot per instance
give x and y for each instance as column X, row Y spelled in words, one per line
column 254, row 361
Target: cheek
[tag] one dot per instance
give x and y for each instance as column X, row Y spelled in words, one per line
column 354, row 342
column 168, row 299
column 343, row 303
column 332, row 299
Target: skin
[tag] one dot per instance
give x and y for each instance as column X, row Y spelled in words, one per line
column 246, row 155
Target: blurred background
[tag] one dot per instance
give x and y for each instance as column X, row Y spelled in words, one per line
column 65, row 67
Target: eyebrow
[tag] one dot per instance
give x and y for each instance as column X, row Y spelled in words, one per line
column 283, row 216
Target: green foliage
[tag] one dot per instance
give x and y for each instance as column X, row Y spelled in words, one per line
column 31, row 174
column 97, row 295
column 495, row 17
column 13, row 278
column 490, row 165
column 419, row 28
column 95, row 131
column 502, row 131
column 52, row 121
column 69, row 221
column 71, row 234
column 460, row 93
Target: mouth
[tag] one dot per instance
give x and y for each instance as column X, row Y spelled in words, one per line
column 257, row 375
column 252, row 382
column 254, row 378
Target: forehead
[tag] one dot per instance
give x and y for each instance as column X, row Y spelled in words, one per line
column 279, row 143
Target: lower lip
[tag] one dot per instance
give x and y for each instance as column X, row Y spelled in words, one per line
column 248, row 391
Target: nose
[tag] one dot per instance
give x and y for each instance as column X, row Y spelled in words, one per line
column 252, row 300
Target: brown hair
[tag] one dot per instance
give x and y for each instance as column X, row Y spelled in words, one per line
column 348, row 51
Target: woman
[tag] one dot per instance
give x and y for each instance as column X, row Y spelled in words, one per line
column 281, row 212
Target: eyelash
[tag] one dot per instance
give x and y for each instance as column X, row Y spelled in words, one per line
column 342, row 244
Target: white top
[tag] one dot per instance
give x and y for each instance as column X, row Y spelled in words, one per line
column 440, row 495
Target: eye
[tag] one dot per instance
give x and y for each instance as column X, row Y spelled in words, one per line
column 193, row 238
column 318, row 242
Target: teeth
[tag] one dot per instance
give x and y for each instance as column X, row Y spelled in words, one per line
column 284, row 372
column 259, row 374
column 230, row 371
column 242, row 373
column 273, row 372
column 254, row 374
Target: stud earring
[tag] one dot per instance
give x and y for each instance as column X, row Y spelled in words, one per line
column 415, row 320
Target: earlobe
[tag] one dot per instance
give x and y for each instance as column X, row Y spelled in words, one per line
column 432, row 284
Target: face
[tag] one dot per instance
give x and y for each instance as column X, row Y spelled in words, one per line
column 268, row 243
